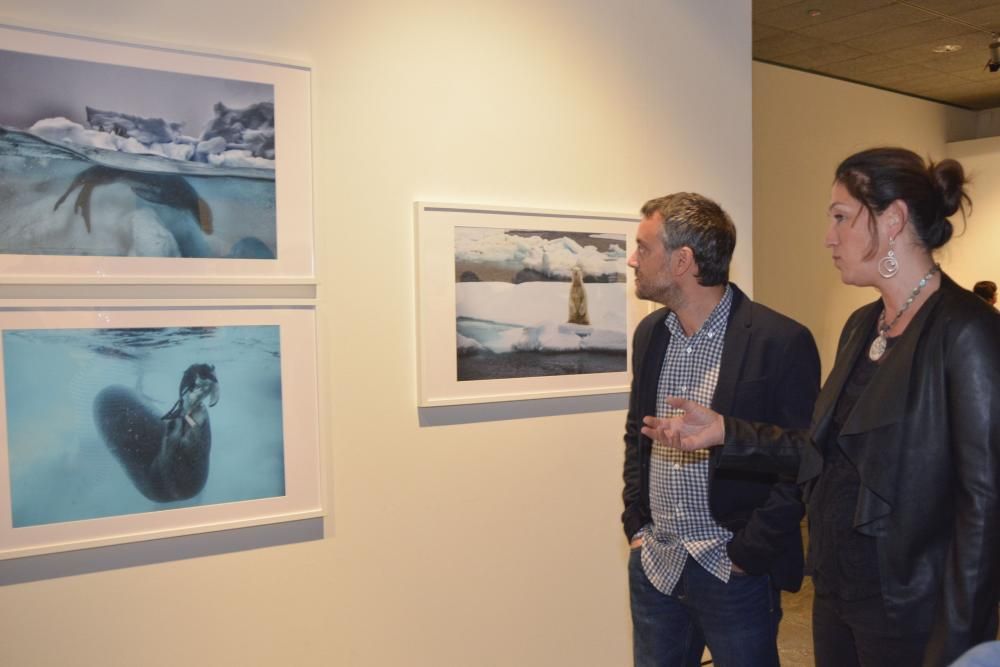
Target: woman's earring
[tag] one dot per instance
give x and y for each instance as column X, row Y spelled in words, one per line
column 888, row 266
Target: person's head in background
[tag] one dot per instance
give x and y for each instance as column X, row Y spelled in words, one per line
column 987, row 291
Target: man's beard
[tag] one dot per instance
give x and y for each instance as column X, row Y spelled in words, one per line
column 668, row 295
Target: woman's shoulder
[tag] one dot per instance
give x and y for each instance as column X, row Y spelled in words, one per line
column 960, row 304
column 960, row 314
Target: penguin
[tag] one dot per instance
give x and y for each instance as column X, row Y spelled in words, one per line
column 188, row 217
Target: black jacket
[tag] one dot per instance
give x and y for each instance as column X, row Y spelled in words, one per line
column 769, row 372
column 925, row 438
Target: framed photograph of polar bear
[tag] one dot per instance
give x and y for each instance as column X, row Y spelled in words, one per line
column 134, row 164
column 522, row 303
column 127, row 424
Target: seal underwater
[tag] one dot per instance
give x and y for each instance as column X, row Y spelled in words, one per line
column 165, row 457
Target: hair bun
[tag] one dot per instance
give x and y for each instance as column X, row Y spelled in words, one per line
column 948, row 178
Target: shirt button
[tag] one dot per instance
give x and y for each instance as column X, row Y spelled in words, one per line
column 689, row 350
column 711, row 334
column 683, row 389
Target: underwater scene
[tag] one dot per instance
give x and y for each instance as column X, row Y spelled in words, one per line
column 108, row 422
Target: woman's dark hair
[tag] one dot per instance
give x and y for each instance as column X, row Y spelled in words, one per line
column 933, row 191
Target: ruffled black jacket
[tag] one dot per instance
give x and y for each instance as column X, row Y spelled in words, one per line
column 925, row 437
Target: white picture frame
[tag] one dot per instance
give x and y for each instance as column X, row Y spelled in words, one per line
column 61, row 487
column 445, row 379
column 289, row 196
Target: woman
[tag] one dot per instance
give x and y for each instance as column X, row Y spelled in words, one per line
column 901, row 466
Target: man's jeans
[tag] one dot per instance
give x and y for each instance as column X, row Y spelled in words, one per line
column 738, row 620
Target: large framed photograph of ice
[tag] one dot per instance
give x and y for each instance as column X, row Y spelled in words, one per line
column 129, row 424
column 521, row 303
column 137, row 164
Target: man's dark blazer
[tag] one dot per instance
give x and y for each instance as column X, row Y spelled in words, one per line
column 769, row 373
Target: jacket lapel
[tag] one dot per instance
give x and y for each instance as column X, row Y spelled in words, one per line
column 653, row 358
column 734, row 350
column 852, row 348
column 847, row 355
column 883, row 402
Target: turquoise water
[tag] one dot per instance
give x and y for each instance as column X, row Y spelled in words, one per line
column 60, row 467
column 60, row 200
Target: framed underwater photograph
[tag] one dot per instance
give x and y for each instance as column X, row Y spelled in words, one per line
column 129, row 424
column 129, row 163
column 522, row 303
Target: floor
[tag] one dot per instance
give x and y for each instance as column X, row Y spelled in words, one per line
column 795, row 630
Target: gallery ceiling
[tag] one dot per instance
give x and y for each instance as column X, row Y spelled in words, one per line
column 933, row 49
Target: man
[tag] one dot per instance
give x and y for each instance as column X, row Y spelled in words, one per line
column 710, row 547
column 987, row 291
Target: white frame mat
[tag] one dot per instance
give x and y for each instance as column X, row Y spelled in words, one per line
column 302, row 466
column 293, row 171
column 438, row 383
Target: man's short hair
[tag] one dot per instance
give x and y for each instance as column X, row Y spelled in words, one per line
column 986, row 290
column 691, row 220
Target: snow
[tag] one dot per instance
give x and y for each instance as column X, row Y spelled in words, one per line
column 532, row 316
column 240, row 158
column 466, row 344
column 553, row 257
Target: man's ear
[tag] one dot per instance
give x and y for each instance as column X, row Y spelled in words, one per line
column 683, row 261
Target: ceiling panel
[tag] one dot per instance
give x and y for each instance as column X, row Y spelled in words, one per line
column 864, row 23
column 887, row 44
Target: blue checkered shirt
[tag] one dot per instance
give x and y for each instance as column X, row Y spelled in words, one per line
column 678, row 481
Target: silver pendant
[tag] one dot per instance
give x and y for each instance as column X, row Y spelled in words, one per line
column 877, row 349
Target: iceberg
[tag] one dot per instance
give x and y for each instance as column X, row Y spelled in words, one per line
column 235, row 138
column 545, row 258
column 144, row 130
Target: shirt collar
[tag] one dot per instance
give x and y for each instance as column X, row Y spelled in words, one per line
column 714, row 325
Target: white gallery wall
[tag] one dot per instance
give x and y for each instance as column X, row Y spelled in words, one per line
column 479, row 536
column 975, row 255
column 803, row 126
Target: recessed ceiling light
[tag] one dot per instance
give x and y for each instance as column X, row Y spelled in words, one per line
column 814, row 12
column 947, row 48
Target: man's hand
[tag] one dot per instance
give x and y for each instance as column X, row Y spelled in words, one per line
column 636, row 542
column 698, row 428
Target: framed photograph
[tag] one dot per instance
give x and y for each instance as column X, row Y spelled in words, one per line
column 136, row 164
column 129, row 424
column 519, row 303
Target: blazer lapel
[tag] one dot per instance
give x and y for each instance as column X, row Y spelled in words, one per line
column 734, row 350
column 652, row 362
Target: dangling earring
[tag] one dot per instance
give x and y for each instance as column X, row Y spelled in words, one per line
column 888, row 266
